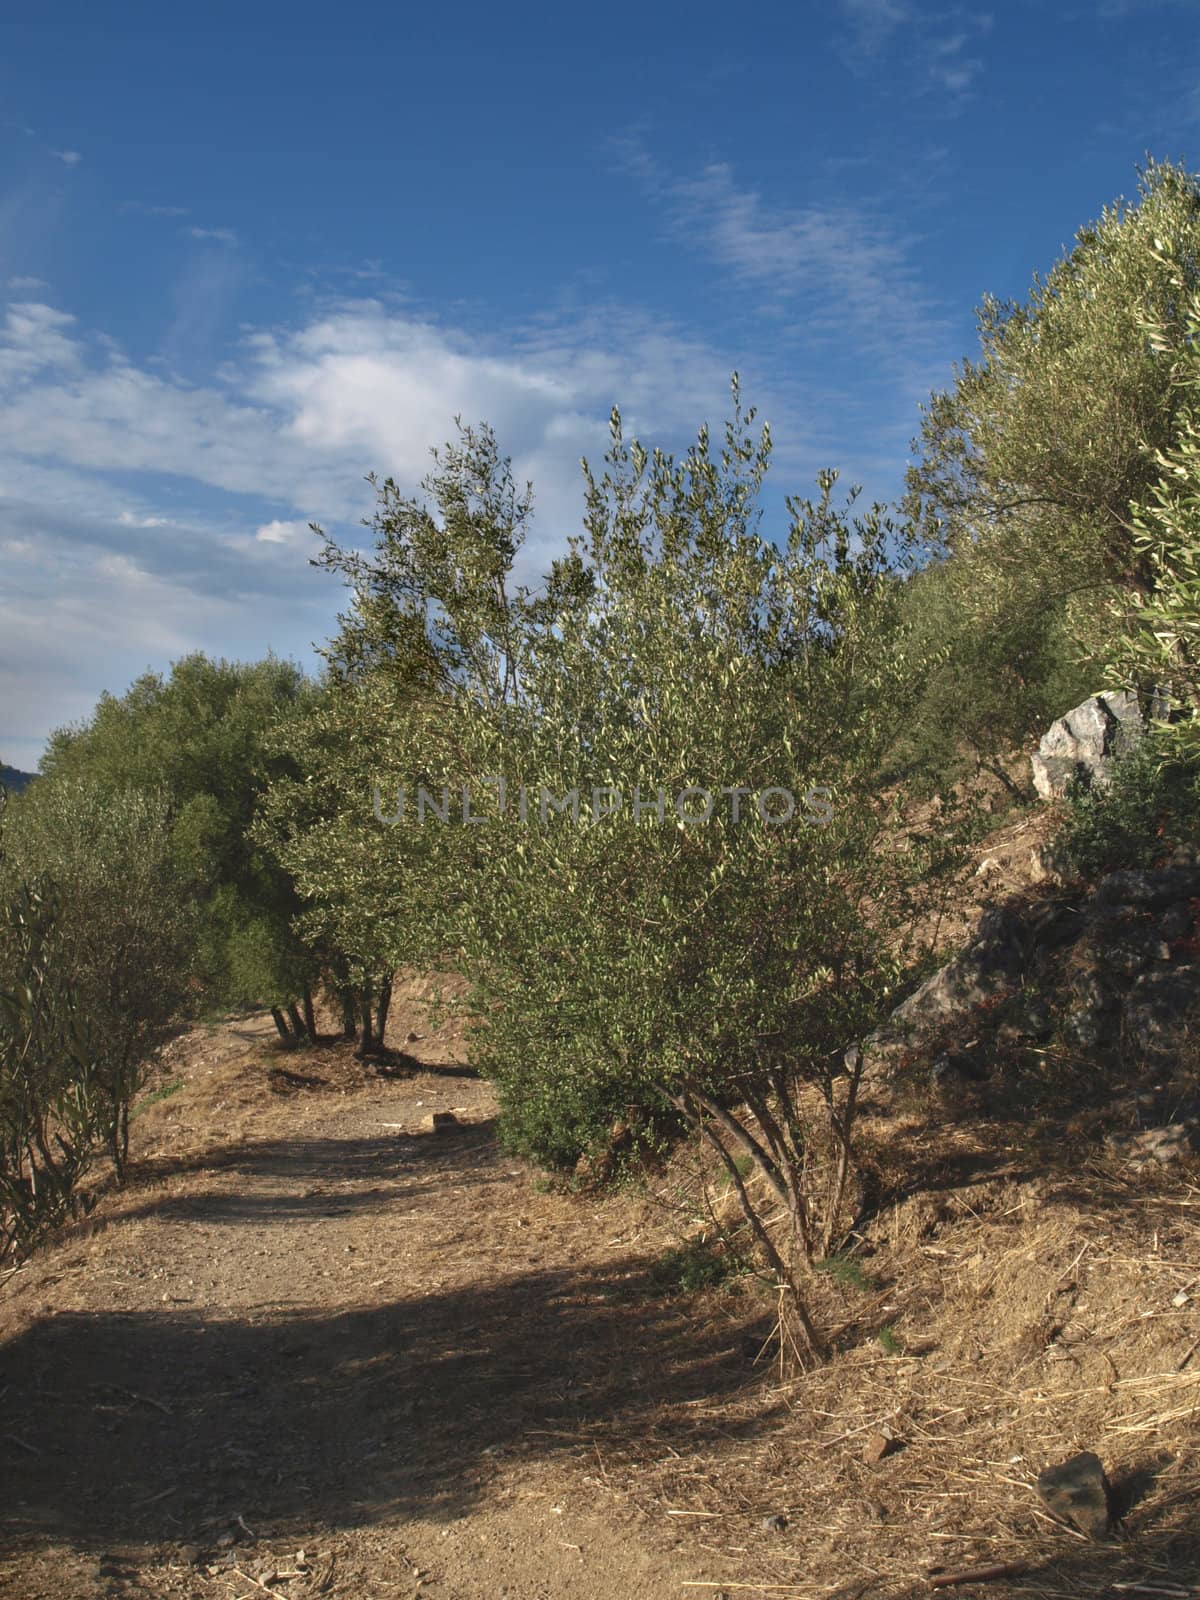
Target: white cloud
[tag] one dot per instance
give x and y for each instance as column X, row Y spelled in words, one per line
column 873, row 22
column 34, row 339
column 218, row 235
column 279, row 532
column 26, row 285
column 928, row 43
column 131, row 519
column 147, row 515
column 69, row 158
column 113, row 580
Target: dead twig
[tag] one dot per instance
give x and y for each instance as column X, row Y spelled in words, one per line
column 162, row 1494
column 996, row 1569
column 22, row 1444
column 258, row 1584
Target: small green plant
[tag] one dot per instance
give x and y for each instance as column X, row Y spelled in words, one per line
column 164, row 1092
column 849, row 1273
column 889, row 1343
column 692, row 1266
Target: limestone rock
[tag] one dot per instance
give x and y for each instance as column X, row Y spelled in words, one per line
column 1086, row 742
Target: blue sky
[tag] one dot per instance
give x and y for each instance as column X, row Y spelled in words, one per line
column 252, row 252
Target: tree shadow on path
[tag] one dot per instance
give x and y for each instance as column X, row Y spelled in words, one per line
column 148, row 1426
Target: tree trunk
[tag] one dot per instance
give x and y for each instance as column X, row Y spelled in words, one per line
column 118, row 1141
column 349, row 1021
column 297, row 1021
column 381, row 1015
column 310, row 1015
column 1021, row 796
column 367, row 1043
column 281, row 1024
column 795, row 1322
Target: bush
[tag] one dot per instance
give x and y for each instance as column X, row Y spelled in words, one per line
column 122, row 931
column 692, row 1266
column 1151, row 804
column 52, row 1108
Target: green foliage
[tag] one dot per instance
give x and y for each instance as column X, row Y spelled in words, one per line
column 201, row 739
column 52, row 1108
column 1055, row 474
column 122, row 933
column 1156, row 634
column 1032, row 463
column 1032, row 460
column 889, row 1342
column 622, row 965
column 692, row 1266
column 848, row 1273
column 1152, row 802
column 991, row 683
column 164, row 1092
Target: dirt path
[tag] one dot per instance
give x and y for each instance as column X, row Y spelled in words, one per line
column 317, row 1349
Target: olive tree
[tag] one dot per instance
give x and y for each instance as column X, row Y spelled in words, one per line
column 668, row 875
column 1156, row 633
column 122, row 934
column 52, row 1109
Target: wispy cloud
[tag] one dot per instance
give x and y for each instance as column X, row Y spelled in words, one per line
column 281, row 532
column 26, row 285
column 217, row 235
column 825, row 270
column 947, row 64
column 69, row 158
column 143, row 208
column 935, row 49
column 873, row 22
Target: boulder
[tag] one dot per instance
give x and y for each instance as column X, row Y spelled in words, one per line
column 1133, row 950
column 1158, row 1005
column 1147, row 889
column 988, row 967
column 1086, row 742
column 1172, row 1142
column 1090, row 1029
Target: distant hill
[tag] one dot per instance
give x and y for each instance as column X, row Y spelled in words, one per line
column 11, row 778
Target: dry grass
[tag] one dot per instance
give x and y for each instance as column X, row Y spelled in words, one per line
column 1034, row 1324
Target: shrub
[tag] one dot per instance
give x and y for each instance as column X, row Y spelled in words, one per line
column 122, row 932
column 692, row 1266
column 52, row 1108
column 1151, row 804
